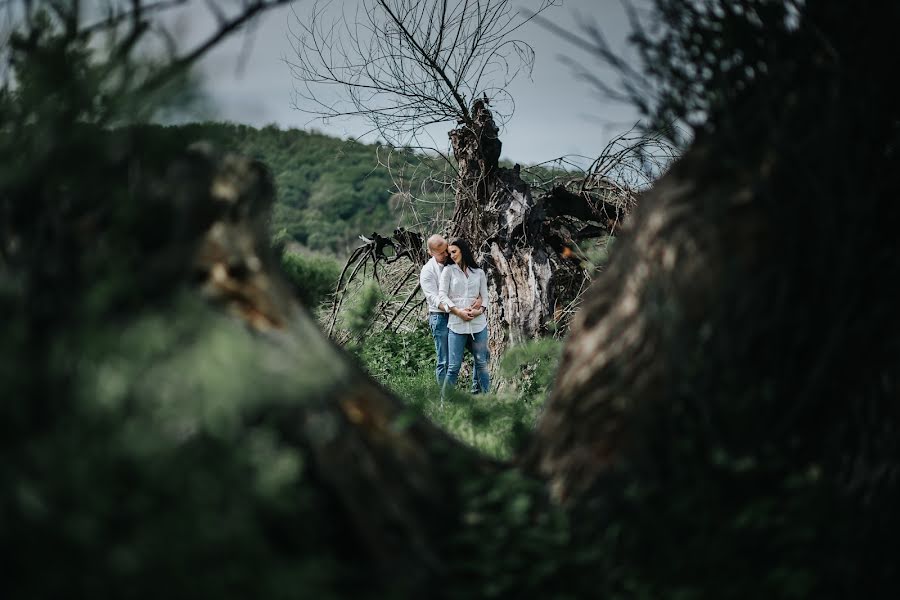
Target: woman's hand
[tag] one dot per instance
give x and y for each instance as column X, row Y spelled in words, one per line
column 465, row 313
column 476, row 309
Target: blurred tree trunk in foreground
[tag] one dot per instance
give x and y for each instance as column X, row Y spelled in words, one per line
column 729, row 393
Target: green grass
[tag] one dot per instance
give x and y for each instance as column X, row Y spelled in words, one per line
column 493, row 423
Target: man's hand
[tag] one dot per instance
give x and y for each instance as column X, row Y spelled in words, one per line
column 477, row 304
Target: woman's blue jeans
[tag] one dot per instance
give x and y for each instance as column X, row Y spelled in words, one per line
column 478, row 346
column 439, row 330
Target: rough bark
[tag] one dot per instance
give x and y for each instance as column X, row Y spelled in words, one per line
column 665, row 280
column 742, row 314
column 510, row 231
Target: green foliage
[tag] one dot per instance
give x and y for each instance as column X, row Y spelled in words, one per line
column 140, row 471
column 390, row 356
column 313, row 277
column 141, row 455
column 357, row 317
column 532, row 366
column 329, row 190
column 494, row 423
column 707, row 58
column 595, row 256
column 512, row 543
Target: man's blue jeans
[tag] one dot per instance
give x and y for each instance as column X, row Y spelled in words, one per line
column 438, row 324
column 477, row 344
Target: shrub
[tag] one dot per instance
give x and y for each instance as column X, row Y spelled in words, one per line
column 532, row 366
column 312, row 276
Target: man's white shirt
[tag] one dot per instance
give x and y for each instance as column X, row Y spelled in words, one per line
column 429, row 280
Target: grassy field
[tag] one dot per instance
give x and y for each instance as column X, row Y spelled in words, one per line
column 494, row 423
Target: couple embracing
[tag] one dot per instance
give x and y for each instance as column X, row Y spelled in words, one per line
column 456, row 291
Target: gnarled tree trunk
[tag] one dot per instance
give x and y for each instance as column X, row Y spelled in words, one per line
column 508, row 229
column 526, row 243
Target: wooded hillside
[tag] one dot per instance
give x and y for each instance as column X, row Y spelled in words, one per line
column 329, row 190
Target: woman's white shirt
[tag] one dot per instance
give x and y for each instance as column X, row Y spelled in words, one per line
column 460, row 289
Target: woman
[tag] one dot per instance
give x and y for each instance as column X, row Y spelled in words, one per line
column 462, row 282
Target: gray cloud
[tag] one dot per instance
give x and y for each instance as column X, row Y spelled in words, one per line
column 556, row 113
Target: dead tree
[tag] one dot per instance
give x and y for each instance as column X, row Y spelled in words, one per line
column 527, row 243
column 406, row 65
column 398, row 271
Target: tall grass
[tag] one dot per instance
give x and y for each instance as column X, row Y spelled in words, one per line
column 496, row 424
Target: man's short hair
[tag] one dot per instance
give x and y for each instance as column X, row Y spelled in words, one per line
column 436, row 240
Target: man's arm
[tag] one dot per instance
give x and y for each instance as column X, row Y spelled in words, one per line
column 428, row 283
column 444, row 291
column 482, row 296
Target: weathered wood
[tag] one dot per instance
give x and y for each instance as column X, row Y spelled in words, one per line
column 509, row 232
column 612, row 357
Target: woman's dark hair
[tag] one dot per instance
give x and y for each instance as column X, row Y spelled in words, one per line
column 466, row 251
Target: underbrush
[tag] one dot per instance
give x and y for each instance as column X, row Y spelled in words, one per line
column 498, row 423
column 311, row 276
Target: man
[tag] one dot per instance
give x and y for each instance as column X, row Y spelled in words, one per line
column 438, row 314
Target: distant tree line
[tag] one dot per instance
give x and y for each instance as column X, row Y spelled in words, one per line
column 329, row 190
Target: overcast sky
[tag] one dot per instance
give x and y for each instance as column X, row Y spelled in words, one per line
column 248, row 81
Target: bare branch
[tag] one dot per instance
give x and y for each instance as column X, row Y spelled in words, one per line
column 181, row 63
column 137, row 11
column 407, row 64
